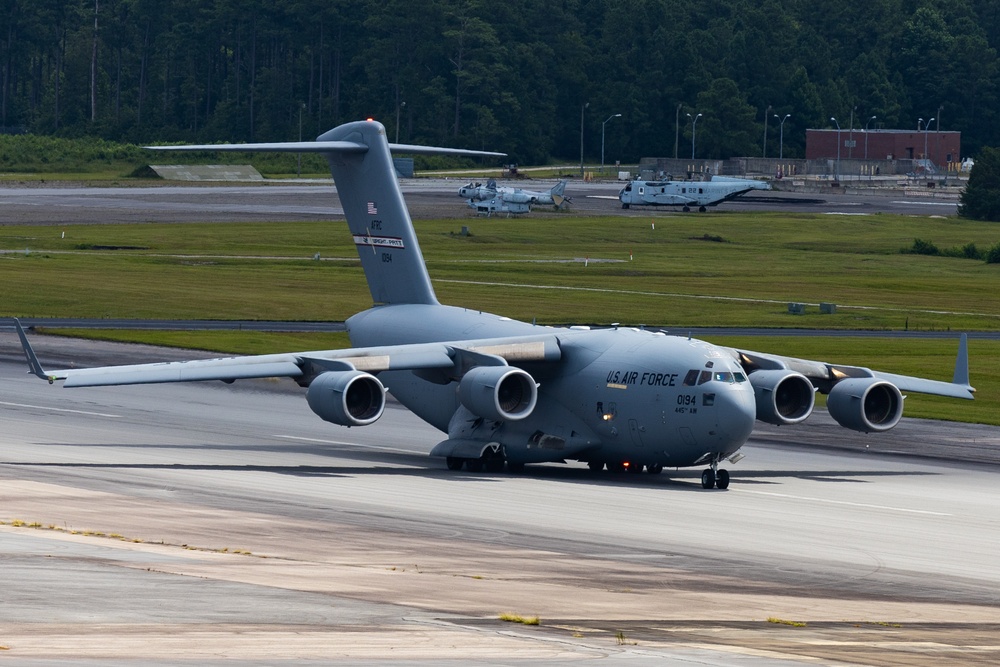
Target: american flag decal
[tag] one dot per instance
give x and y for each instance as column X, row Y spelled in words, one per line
column 372, row 208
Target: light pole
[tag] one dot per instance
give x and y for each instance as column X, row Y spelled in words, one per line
column 838, row 147
column 920, row 121
column 398, row 107
column 694, row 123
column 298, row 158
column 927, row 126
column 677, row 128
column 781, row 136
column 614, row 115
column 582, row 108
column 850, row 137
column 766, row 111
column 866, row 135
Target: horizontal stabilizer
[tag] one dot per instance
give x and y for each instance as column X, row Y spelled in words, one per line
column 341, row 147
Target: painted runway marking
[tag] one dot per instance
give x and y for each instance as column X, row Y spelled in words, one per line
column 346, row 444
column 45, row 407
column 927, row 203
column 844, row 502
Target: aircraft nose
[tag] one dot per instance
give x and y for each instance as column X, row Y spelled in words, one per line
column 737, row 412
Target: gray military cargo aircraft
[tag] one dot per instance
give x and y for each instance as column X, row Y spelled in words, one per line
column 687, row 194
column 512, row 393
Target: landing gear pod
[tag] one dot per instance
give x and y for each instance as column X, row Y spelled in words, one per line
column 500, row 393
column 783, row 397
column 347, row 398
column 865, row 404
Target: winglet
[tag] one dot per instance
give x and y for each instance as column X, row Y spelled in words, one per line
column 962, row 362
column 34, row 367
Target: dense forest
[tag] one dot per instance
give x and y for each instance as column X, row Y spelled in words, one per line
column 532, row 78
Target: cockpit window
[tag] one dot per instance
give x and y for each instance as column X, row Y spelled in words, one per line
column 696, row 377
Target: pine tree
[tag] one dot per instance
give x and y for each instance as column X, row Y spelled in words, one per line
column 981, row 199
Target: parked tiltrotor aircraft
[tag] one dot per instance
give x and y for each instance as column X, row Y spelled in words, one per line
column 508, row 392
column 490, row 198
column 687, row 194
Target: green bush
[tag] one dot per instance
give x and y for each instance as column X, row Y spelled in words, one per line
column 993, row 255
column 921, row 247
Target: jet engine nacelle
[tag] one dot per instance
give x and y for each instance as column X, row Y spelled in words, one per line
column 347, row 398
column 865, row 404
column 500, row 393
column 783, row 397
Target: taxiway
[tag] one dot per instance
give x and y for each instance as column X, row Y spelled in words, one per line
column 213, row 523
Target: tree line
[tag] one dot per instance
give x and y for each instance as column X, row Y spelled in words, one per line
column 534, row 79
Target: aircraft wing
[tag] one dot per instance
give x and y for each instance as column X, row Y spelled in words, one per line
column 457, row 356
column 825, row 375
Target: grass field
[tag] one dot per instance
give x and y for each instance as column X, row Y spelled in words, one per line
column 718, row 269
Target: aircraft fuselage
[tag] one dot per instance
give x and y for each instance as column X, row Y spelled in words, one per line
column 686, row 193
column 637, row 396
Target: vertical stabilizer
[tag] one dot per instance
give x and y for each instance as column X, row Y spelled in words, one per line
column 361, row 165
column 377, row 216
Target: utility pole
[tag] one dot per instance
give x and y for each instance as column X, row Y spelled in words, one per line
column 93, row 71
column 677, row 128
column 766, row 112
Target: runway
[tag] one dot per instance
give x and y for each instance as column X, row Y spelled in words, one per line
column 269, row 536
column 56, row 204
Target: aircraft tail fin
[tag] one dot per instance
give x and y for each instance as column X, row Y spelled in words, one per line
column 34, row 367
column 360, row 161
column 961, row 376
column 558, row 189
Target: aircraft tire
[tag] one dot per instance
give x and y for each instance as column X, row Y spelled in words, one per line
column 635, row 468
column 624, row 205
column 654, row 469
column 708, row 479
column 596, row 466
column 454, row 463
column 474, row 465
column 687, row 209
column 722, row 479
column 702, row 209
column 617, row 466
column 515, row 467
column 494, row 464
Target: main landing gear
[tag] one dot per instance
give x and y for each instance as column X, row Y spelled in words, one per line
column 488, row 462
column 714, row 476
